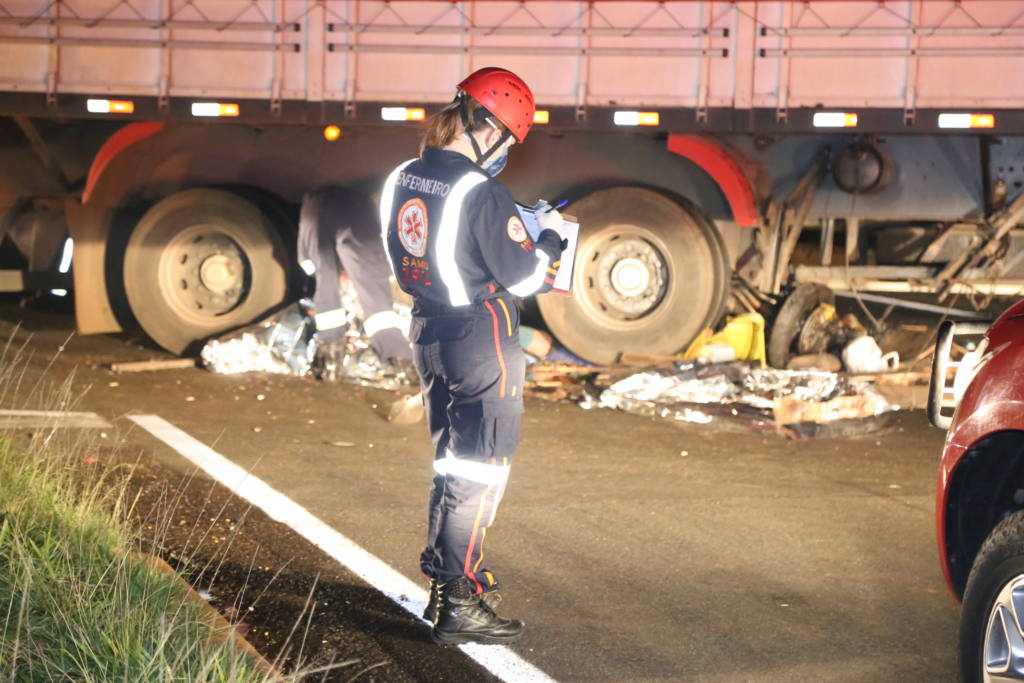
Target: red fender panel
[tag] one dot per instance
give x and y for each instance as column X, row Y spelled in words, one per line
column 724, row 170
column 118, row 142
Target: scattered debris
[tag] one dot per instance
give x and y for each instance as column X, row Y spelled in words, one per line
column 149, row 365
column 791, row 410
column 722, row 377
column 863, row 355
column 824, row 362
column 784, row 401
column 282, row 343
column 560, row 381
column 900, row 378
column 741, row 338
column 407, row 410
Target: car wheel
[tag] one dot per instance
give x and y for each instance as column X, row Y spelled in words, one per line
column 992, row 618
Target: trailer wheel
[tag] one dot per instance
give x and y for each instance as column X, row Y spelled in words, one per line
column 791, row 318
column 650, row 274
column 201, row 262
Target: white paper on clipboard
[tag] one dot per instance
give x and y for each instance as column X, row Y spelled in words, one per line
column 563, row 281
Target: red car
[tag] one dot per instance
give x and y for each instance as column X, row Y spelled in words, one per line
column 979, row 504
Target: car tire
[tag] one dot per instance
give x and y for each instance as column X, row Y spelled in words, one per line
column 993, row 606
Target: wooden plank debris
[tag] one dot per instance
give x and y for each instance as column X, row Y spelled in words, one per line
column 646, row 360
column 909, row 377
column 148, row 365
column 791, row 410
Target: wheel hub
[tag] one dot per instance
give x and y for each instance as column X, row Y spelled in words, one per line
column 206, row 272
column 219, row 273
column 817, row 330
column 629, row 277
column 1003, row 650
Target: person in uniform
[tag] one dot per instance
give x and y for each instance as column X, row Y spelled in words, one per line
column 339, row 232
column 457, row 244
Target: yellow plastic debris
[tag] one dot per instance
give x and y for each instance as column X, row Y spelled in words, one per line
column 744, row 334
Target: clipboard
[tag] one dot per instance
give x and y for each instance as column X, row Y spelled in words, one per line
column 563, row 281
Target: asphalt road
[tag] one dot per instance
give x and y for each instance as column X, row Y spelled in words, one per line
column 634, row 549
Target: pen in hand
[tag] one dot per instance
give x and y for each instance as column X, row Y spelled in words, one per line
column 557, row 206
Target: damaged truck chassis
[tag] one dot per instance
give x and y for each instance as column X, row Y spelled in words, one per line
column 698, row 143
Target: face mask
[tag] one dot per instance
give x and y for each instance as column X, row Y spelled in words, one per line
column 496, row 165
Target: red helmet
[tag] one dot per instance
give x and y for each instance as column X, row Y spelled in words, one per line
column 505, row 95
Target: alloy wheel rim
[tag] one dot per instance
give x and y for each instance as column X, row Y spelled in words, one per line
column 1003, row 648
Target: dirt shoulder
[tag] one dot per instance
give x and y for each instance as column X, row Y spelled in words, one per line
column 296, row 605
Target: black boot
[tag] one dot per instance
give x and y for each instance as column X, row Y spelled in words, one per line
column 464, row 617
column 430, row 613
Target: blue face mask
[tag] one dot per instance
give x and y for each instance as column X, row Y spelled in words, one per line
column 496, row 165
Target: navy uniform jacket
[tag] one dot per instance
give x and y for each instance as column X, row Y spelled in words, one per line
column 454, row 237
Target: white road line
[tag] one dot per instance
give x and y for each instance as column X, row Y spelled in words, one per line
column 499, row 660
column 17, row 419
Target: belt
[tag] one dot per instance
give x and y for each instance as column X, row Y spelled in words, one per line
column 424, row 308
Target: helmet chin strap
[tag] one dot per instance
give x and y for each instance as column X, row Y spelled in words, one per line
column 479, row 116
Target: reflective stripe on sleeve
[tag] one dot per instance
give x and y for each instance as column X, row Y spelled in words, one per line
column 383, row 320
column 447, row 237
column 330, row 320
column 480, row 472
column 532, row 282
column 387, row 201
column 307, row 267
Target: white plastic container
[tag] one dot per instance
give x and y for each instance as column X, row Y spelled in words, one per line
column 863, row 355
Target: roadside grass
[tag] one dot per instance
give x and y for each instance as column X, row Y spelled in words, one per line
column 77, row 600
column 79, row 604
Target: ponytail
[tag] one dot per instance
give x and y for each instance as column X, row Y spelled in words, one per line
column 445, row 126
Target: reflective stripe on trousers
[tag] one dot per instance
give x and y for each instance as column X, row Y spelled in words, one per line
column 471, row 372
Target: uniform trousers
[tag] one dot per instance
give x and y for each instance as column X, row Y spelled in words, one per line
column 340, row 230
column 471, row 369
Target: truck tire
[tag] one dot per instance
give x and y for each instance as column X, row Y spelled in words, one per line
column 202, row 262
column 991, row 638
column 651, row 273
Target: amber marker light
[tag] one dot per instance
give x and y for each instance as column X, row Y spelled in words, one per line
column 636, row 118
column 950, row 120
column 835, row 119
column 332, row 133
column 110, row 106
column 403, row 113
column 542, row 116
column 214, row 109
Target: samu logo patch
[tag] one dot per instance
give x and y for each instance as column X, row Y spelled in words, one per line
column 516, row 229
column 412, row 227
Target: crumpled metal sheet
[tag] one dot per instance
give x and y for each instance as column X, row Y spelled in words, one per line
column 358, row 364
column 354, row 361
column 283, row 343
column 737, row 392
